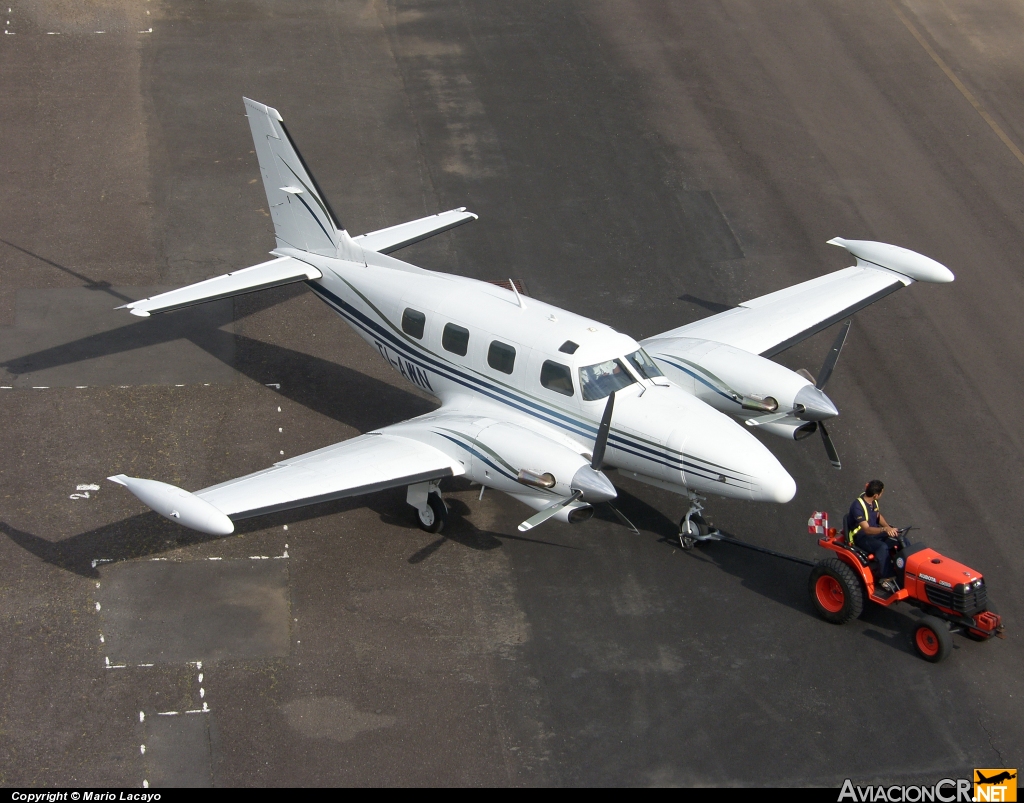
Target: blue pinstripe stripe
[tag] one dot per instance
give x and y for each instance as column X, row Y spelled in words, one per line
column 371, row 327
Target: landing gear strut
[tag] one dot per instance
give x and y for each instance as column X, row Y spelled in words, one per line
column 431, row 511
column 693, row 527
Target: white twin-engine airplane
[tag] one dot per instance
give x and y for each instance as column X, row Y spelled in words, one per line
column 535, row 400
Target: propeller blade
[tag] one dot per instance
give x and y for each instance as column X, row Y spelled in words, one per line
column 545, row 514
column 621, row 517
column 833, row 357
column 830, row 449
column 602, row 434
column 766, row 419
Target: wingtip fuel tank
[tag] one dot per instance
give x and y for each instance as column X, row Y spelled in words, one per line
column 178, row 505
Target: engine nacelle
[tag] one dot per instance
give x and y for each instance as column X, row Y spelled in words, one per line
column 727, row 378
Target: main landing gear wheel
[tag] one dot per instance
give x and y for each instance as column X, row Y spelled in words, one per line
column 692, row 530
column 432, row 518
column 931, row 639
column 835, row 591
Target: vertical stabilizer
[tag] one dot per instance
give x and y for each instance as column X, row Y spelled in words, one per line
column 302, row 216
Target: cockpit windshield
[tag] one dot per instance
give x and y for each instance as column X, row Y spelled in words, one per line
column 644, row 365
column 603, row 379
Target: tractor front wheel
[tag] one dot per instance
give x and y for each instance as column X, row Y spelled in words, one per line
column 835, row 591
column 931, row 639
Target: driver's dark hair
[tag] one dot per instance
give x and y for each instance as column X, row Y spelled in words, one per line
column 874, row 488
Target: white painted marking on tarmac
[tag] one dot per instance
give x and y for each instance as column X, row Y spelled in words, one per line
column 168, row 713
column 8, row 387
column 215, row 558
column 148, row 31
column 102, row 640
column 142, row 749
column 38, row 387
column 202, row 693
column 144, row 665
column 279, row 409
column 102, row 560
column 77, row 387
column 276, row 385
column 97, row 585
column 145, row 784
column 282, row 451
column 200, row 677
column 179, row 386
column 97, row 606
column 87, row 487
column 142, row 716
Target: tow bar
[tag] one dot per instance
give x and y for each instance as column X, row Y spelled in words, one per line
column 718, row 535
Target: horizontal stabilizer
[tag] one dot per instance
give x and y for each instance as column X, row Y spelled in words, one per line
column 177, row 505
column 392, row 238
column 283, row 270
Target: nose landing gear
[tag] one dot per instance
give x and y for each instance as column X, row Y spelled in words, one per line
column 693, row 527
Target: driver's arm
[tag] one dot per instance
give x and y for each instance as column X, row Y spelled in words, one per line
column 886, row 528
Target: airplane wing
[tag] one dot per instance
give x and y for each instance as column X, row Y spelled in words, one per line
column 772, row 323
column 371, row 462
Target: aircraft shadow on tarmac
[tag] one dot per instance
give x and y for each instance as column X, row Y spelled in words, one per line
column 148, row 534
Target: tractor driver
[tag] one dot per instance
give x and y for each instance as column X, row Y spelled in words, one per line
column 868, row 530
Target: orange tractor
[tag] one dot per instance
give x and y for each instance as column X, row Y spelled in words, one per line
column 951, row 595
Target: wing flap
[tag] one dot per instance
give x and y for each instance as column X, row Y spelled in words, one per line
column 385, row 241
column 283, row 270
column 368, row 463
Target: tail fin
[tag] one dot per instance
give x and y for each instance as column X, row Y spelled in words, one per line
column 302, row 216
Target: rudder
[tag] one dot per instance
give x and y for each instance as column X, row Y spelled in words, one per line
column 302, row 216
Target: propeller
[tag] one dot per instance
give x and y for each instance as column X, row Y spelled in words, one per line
column 583, row 481
column 823, row 376
column 816, row 406
column 832, row 357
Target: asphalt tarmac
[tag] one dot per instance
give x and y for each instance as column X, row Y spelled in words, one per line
column 642, row 163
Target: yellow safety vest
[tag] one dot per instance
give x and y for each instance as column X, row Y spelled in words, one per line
column 855, row 530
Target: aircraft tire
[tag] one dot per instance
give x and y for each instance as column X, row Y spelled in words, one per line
column 433, row 518
column 835, row 591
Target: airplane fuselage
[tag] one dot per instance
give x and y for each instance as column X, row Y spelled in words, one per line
column 519, row 366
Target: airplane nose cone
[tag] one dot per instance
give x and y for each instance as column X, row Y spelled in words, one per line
column 817, row 406
column 596, row 486
column 778, row 487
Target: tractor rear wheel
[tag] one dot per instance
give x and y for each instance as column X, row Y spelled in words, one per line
column 835, row 591
column 931, row 638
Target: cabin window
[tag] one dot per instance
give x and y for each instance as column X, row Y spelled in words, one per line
column 557, row 377
column 455, row 339
column 413, row 322
column 501, row 357
column 603, row 379
column 644, row 365
column 568, row 347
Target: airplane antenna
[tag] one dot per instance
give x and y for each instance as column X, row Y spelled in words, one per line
column 519, row 298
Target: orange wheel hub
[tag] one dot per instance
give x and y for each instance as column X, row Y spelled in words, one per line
column 927, row 641
column 830, row 594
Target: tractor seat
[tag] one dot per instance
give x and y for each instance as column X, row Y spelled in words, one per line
column 864, row 557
